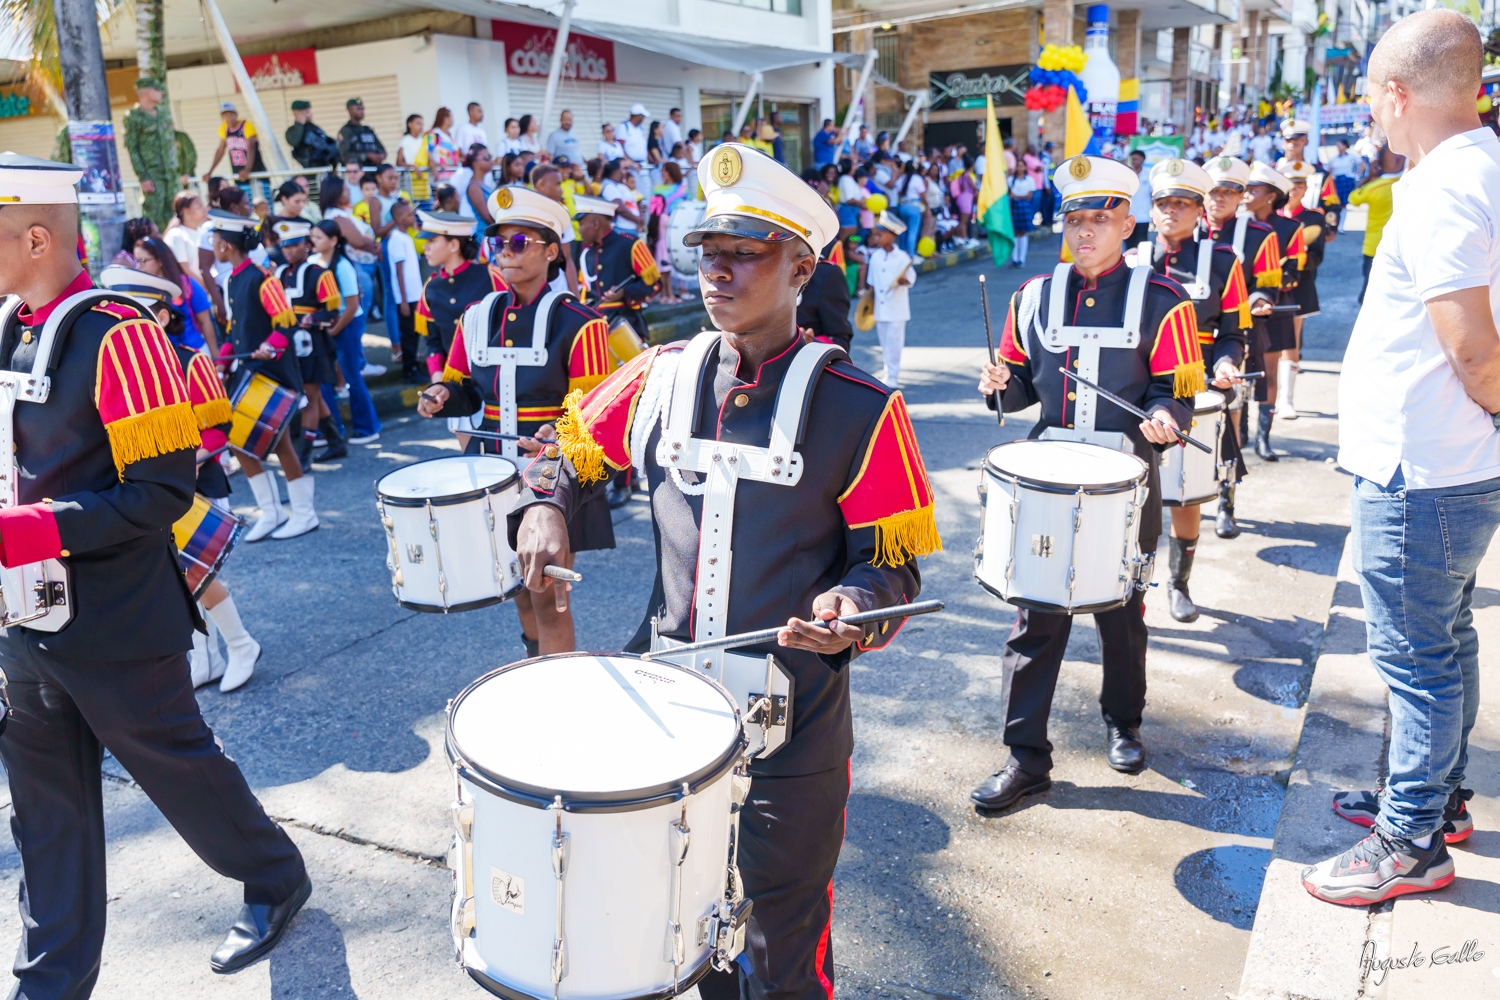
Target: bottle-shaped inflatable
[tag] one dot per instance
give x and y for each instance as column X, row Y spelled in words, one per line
column 1100, row 76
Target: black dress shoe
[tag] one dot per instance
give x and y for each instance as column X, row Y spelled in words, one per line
column 1126, row 753
column 257, row 930
column 1006, row 787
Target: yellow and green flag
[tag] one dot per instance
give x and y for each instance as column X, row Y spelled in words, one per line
column 993, row 208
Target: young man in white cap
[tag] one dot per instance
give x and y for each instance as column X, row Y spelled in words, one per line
column 1211, row 275
column 819, row 524
column 518, row 396
column 632, row 134
column 108, row 460
column 889, row 274
column 1320, row 193
column 1319, row 227
column 617, row 272
column 1161, row 375
column 1266, row 194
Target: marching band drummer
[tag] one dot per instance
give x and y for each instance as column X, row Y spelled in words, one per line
column 108, row 468
column 259, row 320
column 1319, row 227
column 457, row 282
column 1266, row 194
column 1161, row 375
column 1259, row 252
column 1215, row 282
column 313, row 291
column 840, row 536
column 616, row 272
column 211, row 410
column 528, row 228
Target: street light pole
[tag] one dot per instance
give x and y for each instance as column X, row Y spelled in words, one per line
column 91, row 133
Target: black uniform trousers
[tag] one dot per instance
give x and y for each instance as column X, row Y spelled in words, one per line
column 791, row 831
column 1031, row 661
column 64, row 714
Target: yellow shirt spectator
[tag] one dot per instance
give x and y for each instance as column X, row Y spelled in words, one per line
column 1377, row 195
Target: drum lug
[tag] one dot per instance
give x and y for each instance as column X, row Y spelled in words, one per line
column 559, row 873
column 680, row 839
column 727, row 929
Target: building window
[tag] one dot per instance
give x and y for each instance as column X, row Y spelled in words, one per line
column 777, row 6
column 888, row 61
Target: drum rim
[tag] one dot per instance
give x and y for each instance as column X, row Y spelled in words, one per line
column 1044, row 486
column 448, row 499
column 1223, row 401
column 453, row 609
column 499, row 989
column 1057, row 609
column 624, row 800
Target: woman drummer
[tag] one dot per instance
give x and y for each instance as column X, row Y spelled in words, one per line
column 160, row 295
column 260, row 319
column 457, row 282
column 312, row 287
column 529, row 229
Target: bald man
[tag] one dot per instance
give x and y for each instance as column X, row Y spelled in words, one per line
column 102, row 467
column 1420, row 385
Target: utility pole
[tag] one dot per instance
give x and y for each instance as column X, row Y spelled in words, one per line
column 101, row 202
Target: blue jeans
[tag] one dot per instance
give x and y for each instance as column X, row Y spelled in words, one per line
column 351, row 350
column 366, row 275
column 911, row 214
column 1417, row 553
column 388, row 313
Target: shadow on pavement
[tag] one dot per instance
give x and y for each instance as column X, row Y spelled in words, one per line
column 311, row 961
column 1224, row 882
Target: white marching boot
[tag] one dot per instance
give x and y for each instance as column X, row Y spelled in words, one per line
column 304, row 519
column 1286, row 381
column 243, row 650
column 206, row 660
column 268, row 499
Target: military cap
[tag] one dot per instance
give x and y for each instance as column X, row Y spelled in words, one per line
column 301, row 105
column 1179, row 178
column 750, row 194
column 1088, row 182
column 446, row 224
column 1262, row 173
column 291, row 230
column 26, row 180
column 585, row 205
column 518, row 206
column 148, row 289
column 1229, row 171
column 890, row 222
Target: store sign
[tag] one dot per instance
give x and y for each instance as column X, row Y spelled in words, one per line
column 15, row 105
column 280, row 70
column 529, row 47
column 953, row 89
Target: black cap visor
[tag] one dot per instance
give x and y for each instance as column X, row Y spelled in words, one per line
column 1090, row 202
column 1177, row 192
column 740, row 225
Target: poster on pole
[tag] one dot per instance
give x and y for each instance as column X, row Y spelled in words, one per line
column 94, row 153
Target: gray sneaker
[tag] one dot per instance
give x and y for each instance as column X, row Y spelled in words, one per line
column 1378, row 868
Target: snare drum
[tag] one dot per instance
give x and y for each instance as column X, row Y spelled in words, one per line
column 624, row 343
column 1058, row 529
column 444, row 522
column 596, row 822
column 205, row 536
column 1189, row 476
column 263, row 410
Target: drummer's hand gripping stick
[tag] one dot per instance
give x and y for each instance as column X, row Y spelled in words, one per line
column 1130, row 408
column 770, row 634
column 989, row 338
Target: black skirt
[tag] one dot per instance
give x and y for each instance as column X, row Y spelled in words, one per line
column 319, row 369
column 1281, row 333
column 1306, row 294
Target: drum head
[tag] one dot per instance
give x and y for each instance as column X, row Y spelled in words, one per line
column 445, row 478
column 1067, row 464
column 594, row 727
column 1208, row 401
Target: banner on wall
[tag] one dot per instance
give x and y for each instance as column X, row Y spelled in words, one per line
column 528, row 52
column 280, row 70
column 1156, row 148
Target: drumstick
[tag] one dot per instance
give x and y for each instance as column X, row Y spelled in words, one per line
column 1135, row 409
column 989, row 339
column 243, row 357
column 559, row 573
column 769, row 634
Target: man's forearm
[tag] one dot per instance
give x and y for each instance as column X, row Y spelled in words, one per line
column 1465, row 328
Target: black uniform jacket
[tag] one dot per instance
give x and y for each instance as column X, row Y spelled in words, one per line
column 1164, row 371
column 259, row 312
column 313, row 291
column 856, row 521
column 617, row 259
column 824, row 306
column 1316, row 224
column 1261, row 264
column 444, row 299
column 106, row 467
column 1224, row 316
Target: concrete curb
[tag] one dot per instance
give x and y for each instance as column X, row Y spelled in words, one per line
column 1302, row 948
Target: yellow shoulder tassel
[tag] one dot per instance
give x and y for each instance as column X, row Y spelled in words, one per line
column 451, row 374
column 155, row 432
column 576, row 442
column 1269, row 278
column 1187, row 380
column 213, row 413
column 903, row 536
column 1246, row 320
column 419, row 323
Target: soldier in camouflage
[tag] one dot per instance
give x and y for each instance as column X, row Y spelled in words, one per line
column 152, row 143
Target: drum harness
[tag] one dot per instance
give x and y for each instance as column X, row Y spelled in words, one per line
column 476, row 320
column 48, row 582
column 301, row 337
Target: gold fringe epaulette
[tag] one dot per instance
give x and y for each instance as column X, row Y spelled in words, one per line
column 213, row 413
column 904, row 536
column 152, row 433
column 1188, row 380
column 577, row 444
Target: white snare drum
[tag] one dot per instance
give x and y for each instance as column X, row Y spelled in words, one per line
column 597, row 816
column 37, row 595
column 1058, row 530
column 686, row 216
column 444, row 521
column 1189, row 476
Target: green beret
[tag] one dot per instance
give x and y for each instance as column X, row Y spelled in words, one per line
column 149, row 81
column 352, row 101
column 301, row 105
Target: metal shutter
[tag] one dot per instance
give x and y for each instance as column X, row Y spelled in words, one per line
column 32, row 135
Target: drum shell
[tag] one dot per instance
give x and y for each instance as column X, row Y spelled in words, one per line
column 204, row 537
column 685, row 217
column 1189, row 476
column 263, row 410
column 1035, row 526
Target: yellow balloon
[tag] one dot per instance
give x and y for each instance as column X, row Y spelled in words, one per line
column 926, row 247
column 877, row 203
column 1484, row 104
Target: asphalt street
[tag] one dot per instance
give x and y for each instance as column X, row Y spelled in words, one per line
column 1108, row 886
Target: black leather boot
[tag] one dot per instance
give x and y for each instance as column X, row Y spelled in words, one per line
column 1225, row 525
column 1180, row 563
column 1263, row 435
column 336, row 446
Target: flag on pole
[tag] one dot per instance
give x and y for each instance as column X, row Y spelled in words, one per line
column 1078, row 132
column 993, row 208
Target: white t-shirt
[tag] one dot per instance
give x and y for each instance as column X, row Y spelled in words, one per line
column 633, row 138
column 184, row 243
column 400, row 248
column 206, row 242
column 411, row 145
column 560, row 283
column 1400, row 403
column 610, row 150
column 465, row 135
column 671, row 133
column 1140, row 202
column 620, row 194
column 1260, row 147
column 850, row 193
column 1345, row 165
column 915, row 188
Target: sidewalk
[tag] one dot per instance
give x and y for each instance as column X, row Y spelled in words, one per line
column 1303, row 949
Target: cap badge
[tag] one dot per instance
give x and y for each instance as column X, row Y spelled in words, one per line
column 1080, row 168
column 1225, row 162
column 725, row 166
column 1174, row 167
column 503, row 198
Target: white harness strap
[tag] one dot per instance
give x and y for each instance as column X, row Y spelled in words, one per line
column 723, row 464
column 1241, row 227
column 1089, row 340
column 1201, row 285
column 477, row 346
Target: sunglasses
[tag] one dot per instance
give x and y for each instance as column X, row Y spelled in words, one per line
column 516, row 244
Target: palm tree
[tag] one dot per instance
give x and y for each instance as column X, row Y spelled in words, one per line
column 150, row 42
column 34, row 21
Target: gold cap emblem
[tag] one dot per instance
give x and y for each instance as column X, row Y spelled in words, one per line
column 1174, row 167
column 725, row 166
column 502, row 198
column 1080, row 168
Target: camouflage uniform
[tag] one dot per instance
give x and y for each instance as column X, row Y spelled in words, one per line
column 152, row 143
